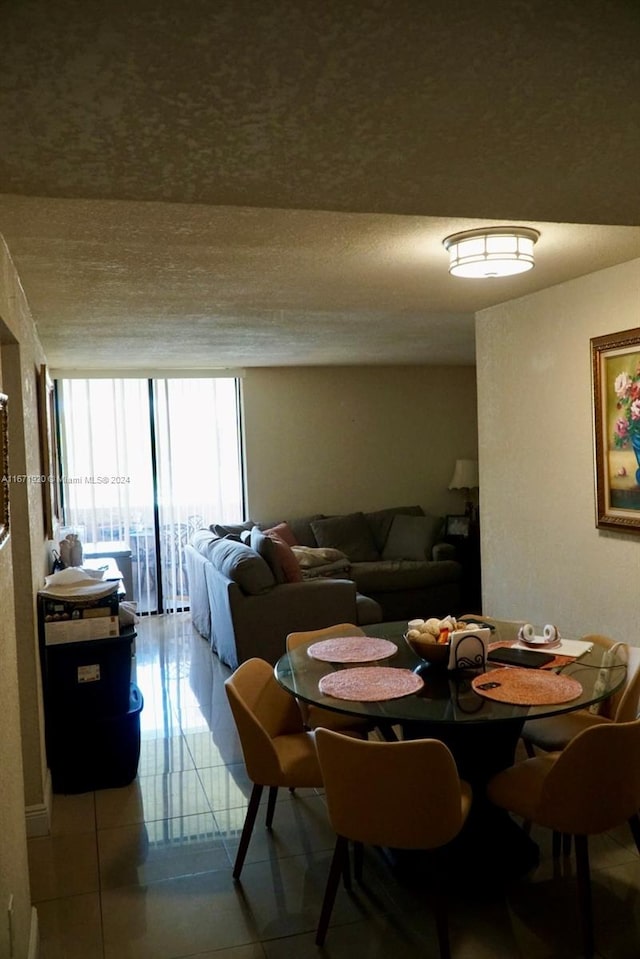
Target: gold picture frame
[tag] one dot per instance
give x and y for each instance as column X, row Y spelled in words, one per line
column 48, row 452
column 4, row 468
column 616, row 404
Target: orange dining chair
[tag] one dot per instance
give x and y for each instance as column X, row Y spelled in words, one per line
column 371, row 789
column 553, row 733
column 591, row 786
column 315, row 716
column 277, row 749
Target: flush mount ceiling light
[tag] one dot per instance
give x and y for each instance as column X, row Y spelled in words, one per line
column 494, row 251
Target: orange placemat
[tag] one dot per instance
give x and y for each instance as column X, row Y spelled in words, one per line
column 526, row 687
column 352, row 649
column 370, row 684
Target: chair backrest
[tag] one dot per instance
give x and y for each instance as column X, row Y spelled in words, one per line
column 606, row 707
column 404, row 795
column 622, row 706
column 329, row 632
column 625, row 701
column 594, row 784
column 311, row 635
column 505, row 630
column 262, row 710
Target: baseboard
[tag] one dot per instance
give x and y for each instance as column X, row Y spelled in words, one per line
column 34, row 935
column 38, row 816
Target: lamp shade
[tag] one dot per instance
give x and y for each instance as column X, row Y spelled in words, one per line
column 465, row 475
column 492, row 252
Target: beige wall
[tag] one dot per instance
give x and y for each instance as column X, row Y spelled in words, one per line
column 22, row 760
column 334, row 440
column 543, row 558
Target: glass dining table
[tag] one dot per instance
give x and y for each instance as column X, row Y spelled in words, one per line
column 482, row 733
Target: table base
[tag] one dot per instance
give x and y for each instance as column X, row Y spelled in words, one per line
column 492, row 849
column 489, row 854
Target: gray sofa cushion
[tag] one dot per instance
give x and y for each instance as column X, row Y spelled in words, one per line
column 349, row 533
column 397, row 574
column 204, row 541
column 412, row 537
column 243, row 565
column 380, row 521
column 300, row 528
column 231, row 529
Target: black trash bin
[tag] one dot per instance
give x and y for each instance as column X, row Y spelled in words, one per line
column 92, row 706
column 99, row 752
column 90, row 678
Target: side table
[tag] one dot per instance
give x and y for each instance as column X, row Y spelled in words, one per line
column 468, row 555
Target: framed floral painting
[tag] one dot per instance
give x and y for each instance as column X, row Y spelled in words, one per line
column 616, row 399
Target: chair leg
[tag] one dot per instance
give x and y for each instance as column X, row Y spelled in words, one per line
column 561, row 842
column 584, row 894
column 339, row 852
column 247, row 829
column 387, row 732
column 271, row 805
column 442, row 924
column 346, row 869
column 358, row 850
column 634, row 825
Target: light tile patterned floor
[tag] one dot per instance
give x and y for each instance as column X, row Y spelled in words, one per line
column 144, row 872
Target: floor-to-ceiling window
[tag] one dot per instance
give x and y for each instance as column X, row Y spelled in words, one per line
column 145, row 462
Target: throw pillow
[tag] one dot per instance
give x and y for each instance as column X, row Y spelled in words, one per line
column 301, row 528
column 380, row 521
column 284, row 531
column 288, row 563
column 231, row 529
column 411, row 537
column 265, row 547
column 351, row 534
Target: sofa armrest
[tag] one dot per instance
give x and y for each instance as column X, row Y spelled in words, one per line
column 261, row 623
column 196, row 566
column 443, row 551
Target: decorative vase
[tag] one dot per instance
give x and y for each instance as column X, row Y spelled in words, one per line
column 634, row 436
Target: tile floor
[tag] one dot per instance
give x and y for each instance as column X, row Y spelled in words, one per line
column 144, row 872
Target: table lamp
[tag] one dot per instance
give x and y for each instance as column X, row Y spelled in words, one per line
column 465, row 477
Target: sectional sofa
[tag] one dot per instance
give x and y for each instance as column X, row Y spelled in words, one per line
column 251, row 584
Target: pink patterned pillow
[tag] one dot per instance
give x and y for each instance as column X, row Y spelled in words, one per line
column 284, row 531
column 286, row 558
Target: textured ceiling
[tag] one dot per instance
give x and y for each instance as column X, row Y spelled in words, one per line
column 264, row 183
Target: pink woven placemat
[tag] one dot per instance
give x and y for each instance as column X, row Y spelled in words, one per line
column 526, row 687
column 352, row 649
column 370, row 684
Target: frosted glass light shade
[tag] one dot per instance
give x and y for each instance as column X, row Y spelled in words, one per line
column 496, row 251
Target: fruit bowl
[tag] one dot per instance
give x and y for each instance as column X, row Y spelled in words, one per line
column 437, row 654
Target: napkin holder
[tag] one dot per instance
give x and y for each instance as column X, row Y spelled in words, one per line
column 468, row 649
